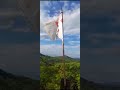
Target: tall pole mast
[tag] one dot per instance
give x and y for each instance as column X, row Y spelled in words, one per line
column 63, row 60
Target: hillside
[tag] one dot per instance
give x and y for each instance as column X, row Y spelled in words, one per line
column 57, row 59
column 89, row 85
column 9, row 81
column 51, row 72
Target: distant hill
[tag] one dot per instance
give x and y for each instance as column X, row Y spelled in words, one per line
column 42, row 55
column 90, row 85
column 9, row 81
column 57, row 58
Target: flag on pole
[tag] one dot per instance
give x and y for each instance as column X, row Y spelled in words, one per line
column 60, row 27
column 54, row 28
column 50, row 29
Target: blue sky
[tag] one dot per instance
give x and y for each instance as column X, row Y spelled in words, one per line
column 49, row 10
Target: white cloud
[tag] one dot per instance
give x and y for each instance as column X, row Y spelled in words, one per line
column 74, row 42
column 72, row 22
column 43, row 36
column 71, row 18
column 56, row 50
column 71, row 27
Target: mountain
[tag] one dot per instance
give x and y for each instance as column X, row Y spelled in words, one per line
column 57, row 58
column 77, row 58
column 52, row 72
column 42, row 55
column 9, row 81
column 84, row 83
column 4, row 75
column 90, row 85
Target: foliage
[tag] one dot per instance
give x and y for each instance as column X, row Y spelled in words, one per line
column 51, row 72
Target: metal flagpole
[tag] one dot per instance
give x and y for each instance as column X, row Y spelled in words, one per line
column 63, row 51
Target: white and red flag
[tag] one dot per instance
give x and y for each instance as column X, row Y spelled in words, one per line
column 55, row 28
column 50, row 29
column 60, row 27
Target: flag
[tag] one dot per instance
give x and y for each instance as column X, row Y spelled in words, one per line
column 50, row 29
column 60, row 27
column 54, row 28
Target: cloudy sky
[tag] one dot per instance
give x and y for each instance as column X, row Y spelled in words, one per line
column 19, row 46
column 100, row 40
column 49, row 10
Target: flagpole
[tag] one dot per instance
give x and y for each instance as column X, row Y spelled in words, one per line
column 63, row 51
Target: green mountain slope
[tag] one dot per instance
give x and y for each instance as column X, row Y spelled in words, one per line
column 51, row 72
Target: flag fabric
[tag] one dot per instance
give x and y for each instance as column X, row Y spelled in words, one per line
column 50, row 29
column 54, row 28
column 60, row 27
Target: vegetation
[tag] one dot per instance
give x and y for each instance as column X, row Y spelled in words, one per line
column 51, row 72
column 50, row 77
